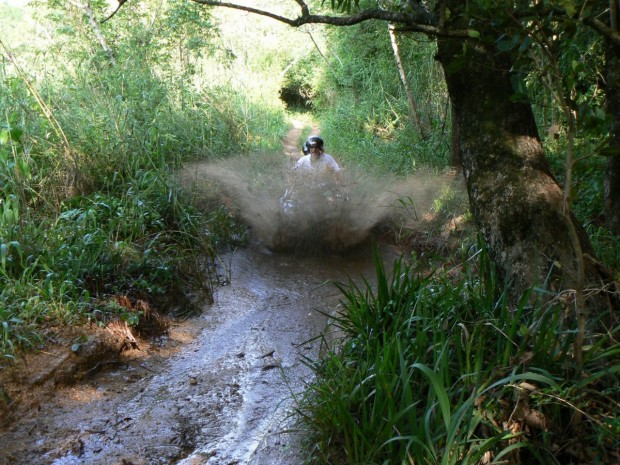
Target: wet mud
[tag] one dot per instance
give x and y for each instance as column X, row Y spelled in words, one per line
column 219, row 390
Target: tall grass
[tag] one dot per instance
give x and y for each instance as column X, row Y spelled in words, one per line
column 363, row 110
column 90, row 208
column 439, row 369
column 136, row 237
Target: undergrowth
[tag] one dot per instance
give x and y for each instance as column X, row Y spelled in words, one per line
column 587, row 195
column 137, row 240
column 91, row 213
column 440, row 369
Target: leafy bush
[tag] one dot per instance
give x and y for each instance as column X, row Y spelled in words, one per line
column 363, row 110
column 439, row 369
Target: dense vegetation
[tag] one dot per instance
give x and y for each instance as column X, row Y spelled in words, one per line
column 90, row 208
column 436, row 365
column 439, row 368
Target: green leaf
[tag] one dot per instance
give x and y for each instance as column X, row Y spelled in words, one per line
column 569, row 6
column 473, row 33
column 505, row 45
column 577, row 66
column 525, row 44
column 527, row 376
column 16, row 133
column 518, row 83
column 439, row 390
column 456, row 64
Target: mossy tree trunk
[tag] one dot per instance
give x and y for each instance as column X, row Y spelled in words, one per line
column 612, row 173
column 517, row 203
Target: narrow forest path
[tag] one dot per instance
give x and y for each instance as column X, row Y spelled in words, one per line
column 291, row 141
column 218, row 390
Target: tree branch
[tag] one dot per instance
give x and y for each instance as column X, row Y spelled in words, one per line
column 120, row 4
column 415, row 22
column 612, row 34
column 88, row 11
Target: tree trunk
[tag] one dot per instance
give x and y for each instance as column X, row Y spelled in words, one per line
column 612, row 193
column 403, row 78
column 612, row 173
column 515, row 200
column 88, row 11
column 455, row 143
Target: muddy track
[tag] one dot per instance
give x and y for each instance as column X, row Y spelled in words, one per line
column 219, row 388
column 224, row 395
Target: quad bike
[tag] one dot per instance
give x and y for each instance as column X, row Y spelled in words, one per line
column 313, row 218
column 316, row 199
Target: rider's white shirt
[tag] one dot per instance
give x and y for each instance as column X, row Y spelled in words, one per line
column 325, row 162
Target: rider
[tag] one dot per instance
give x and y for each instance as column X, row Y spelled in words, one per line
column 316, row 169
column 317, row 160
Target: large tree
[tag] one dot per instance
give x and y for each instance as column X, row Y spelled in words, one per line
column 612, row 77
column 521, row 210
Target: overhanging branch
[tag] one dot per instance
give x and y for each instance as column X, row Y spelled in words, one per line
column 604, row 30
column 412, row 22
column 120, row 4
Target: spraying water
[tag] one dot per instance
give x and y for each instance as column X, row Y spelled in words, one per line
column 333, row 218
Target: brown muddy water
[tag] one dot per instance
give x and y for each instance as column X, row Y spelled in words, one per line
column 225, row 394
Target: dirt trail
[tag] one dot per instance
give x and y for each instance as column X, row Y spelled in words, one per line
column 226, row 394
column 291, row 142
column 218, row 389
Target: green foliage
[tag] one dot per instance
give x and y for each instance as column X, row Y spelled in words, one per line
column 439, row 369
column 189, row 26
column 145, row 243
column 563, row 66
column 365, row 118
column 606, row 246
column 299, row 83
column 90, row 210
column 587, row 194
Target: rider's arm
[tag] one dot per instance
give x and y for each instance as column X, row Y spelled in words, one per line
column 333, row 167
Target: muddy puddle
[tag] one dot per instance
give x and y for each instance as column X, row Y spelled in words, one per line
column 218, row 390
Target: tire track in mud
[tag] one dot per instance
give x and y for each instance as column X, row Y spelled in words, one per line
column 279, row 302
